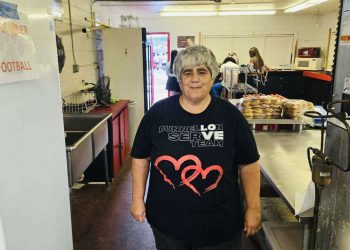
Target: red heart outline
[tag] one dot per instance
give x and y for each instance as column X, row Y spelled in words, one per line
column 204, row 173
column 197, row 170
column 177, row 164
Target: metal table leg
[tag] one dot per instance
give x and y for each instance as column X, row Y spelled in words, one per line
column 105, row 166
column 306, row 236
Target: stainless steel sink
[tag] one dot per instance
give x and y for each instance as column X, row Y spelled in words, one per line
column 86, row 138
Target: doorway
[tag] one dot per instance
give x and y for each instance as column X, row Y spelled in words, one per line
column 160, row 46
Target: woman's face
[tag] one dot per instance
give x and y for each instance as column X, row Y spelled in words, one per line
column 196, row 83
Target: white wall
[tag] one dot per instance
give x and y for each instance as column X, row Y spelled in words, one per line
column 122, row 50
column 308, row 30
column 34, row 194
column 84, row 47
column 328, row 21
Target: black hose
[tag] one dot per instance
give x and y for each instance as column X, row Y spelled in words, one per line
column 316, row 204
column 309, row 157
column 339, row 116
column 312, row 114
column 315, row 218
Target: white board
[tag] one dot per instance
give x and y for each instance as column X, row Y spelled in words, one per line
column 276, row 50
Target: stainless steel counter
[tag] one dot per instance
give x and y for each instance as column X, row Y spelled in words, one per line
column 284, row 160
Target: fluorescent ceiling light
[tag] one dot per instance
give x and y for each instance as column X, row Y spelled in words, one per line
column 217, row 13
column 304, row 5
column 246, row 12
column 188, row 13
column 190, row 8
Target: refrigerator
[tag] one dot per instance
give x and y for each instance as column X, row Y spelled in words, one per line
column 126, row 56
column 34, row 193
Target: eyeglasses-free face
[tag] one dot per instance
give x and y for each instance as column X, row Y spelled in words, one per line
column 196, row 83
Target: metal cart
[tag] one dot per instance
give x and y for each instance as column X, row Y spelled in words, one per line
column 233, row 87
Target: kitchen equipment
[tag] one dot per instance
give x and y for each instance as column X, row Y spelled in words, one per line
column 335, row 154
column 81, row 102
column 87, row 137
column 310, row 52
column 308, row 63
column 102, row 90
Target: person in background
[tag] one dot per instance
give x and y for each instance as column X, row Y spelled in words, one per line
column 261, row 70
column 257, row 61
column 234, row 56
column 195, row 155
column 230, row 71
column 217, row 87
column 172, row 85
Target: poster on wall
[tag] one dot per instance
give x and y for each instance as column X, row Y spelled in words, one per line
column 17, row 49
column 344, row 37
column 185, row 41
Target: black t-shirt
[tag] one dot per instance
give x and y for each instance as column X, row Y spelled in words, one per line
column 193, row 192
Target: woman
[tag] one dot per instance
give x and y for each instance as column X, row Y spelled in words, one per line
column 257, row 61
column 259, row 66
column 195, row 153
column 172, row 84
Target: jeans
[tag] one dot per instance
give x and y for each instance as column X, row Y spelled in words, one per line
column 216, row 89
column 164, row 242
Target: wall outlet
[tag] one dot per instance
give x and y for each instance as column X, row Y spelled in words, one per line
column 75, row 68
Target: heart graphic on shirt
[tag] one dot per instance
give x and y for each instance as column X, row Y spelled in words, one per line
column 197, row 170
column 177, row 164
column 204, row 173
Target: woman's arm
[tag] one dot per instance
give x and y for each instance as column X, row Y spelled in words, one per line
column 254, row 61
column 250, row 179
column 139, row 172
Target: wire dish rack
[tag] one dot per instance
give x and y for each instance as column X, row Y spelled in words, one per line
column 80, row 102
column 244, row 88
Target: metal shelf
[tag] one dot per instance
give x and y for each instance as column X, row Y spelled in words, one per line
column 297, row 123
column 277, row 121
column 240, row 88
column 244, row 88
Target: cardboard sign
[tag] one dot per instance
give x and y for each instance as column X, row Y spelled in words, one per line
column 17, row 52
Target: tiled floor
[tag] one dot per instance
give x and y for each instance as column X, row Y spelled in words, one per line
column 101, row 218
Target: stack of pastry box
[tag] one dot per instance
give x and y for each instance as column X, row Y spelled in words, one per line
column 295, row 109
column 273, row 107
column 262, row 107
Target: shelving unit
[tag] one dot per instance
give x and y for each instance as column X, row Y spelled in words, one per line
column 297, row 123
column 240, row 88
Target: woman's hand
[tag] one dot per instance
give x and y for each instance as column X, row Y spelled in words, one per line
column 252, row 222
column 138, row 210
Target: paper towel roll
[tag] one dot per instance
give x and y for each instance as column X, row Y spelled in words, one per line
column 2, row 237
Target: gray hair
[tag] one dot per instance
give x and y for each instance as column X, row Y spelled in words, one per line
column 194, row 56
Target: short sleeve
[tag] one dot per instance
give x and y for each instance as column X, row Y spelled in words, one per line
column 221, row 68
column 245, row 144
column 142, row 143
